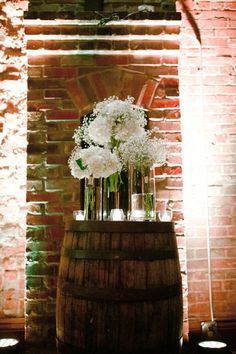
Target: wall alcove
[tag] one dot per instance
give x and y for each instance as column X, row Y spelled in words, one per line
column 72, row 64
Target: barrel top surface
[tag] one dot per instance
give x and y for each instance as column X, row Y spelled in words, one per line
column 120, row 226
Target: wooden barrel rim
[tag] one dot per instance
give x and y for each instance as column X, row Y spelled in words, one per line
column 120, row 226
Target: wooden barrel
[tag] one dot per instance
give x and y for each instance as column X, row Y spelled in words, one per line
column 119, row 289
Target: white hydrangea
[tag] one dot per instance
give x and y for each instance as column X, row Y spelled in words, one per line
column 94, row 161
column 100, row 130
column 76, row 171
column 111, row 122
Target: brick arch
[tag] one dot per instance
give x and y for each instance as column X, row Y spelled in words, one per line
column 97, row 85
column 150, row 93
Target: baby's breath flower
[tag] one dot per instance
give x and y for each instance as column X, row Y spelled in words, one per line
column 143, row 152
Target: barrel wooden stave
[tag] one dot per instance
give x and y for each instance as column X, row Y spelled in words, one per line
column 107, row 305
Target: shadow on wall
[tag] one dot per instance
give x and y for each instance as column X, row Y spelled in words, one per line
column 191, row 19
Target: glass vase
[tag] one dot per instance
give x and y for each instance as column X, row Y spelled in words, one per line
column 92, row 199
column 115, row 195
column 141, row 194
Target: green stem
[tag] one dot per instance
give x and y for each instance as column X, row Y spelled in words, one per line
column 88, row 201
column 148, row 205
column 115, row 182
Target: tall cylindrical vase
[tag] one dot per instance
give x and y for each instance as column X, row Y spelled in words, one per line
column 115, row 194
column 141, row 194
column 93, row 199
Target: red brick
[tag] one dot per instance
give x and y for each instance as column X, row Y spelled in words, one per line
column 62, row 115
column 96, row 80
column 165, row 103
column 168, row 170
column 147, row 93
column 40, row 197
column 76, row 92
column 44, row 60
column 44, row 220
column 35, row 44
column 53, row 93
column 56, row 233
column 110, row 60
column 60, row 72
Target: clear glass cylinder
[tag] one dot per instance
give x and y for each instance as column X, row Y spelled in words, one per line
column 142, row 194
column 115, row 194
column 93, row 199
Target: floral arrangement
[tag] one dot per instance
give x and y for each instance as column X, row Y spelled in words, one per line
column 113, row 137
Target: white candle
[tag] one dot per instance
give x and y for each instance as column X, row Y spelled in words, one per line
column 137, row 214
column 117, row 215
column 78, row 214
column 165, row 215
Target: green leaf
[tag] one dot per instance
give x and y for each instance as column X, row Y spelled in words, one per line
column 115, row 181
column 80, row 164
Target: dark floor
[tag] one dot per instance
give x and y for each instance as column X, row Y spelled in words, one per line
column 51, row 349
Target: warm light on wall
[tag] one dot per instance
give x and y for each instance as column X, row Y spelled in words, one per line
column 116, row 38
column 143, row 53
column 167, row 37
column 141, row 23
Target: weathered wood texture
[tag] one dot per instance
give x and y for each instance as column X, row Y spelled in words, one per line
column 119, row 288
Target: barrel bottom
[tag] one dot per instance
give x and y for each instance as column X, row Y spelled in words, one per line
column 64, row 348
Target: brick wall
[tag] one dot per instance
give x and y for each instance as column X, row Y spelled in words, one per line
column 13, row 122
column 208, row 107
column 206, row 80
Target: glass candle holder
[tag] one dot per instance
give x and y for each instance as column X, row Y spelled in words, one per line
column 165, row 215
column 79, row 214
column 142, row 207
column 117, row 215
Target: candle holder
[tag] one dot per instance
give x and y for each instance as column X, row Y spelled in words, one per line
column 165, row 215
column 142, row 207
column 79, row 214
column 117, row 215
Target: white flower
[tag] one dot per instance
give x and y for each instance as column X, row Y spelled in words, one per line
column 129, row 128
column 113, row 137
column 111, row 122
column 143, row 151
column 100, row 130
column 93, row 161
column 76, row 171
column 146, row 8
